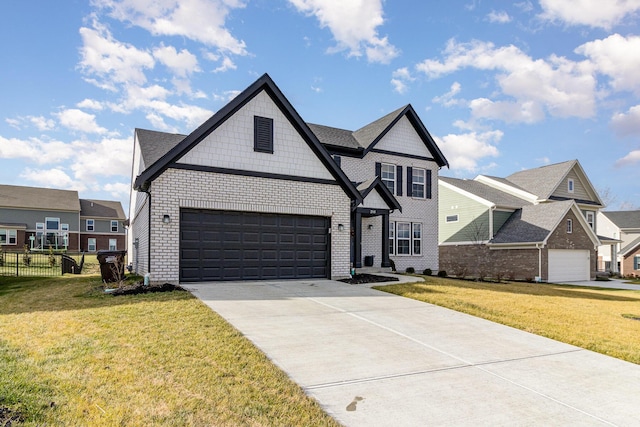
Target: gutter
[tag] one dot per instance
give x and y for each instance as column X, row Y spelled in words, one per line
column 148, row 230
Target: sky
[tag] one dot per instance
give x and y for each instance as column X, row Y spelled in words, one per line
column 501, row 86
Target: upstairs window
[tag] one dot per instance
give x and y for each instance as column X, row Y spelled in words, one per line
column 418, row 179
column 591, row 219
column 114, row 226
column 52, row 223
column 91, row 225
column 570, row 185
column 388, row 176
column 262, row 134
column 569, row 226
column 452, row 218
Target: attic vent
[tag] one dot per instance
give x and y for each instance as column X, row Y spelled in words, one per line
column 262, row 134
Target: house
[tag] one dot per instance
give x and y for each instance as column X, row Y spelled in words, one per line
column 257, row 193
column 44, row 218
column 534, row 224
column 623, row 226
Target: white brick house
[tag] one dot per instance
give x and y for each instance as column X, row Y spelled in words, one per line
column 254, row 193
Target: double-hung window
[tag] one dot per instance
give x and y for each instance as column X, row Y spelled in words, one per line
column 388, row 176
column 418, row 179
column 114, row 226
column 392, row 237
column 636, row 262
column 91, row 225
column 417, row 238
column 91, row 244
column 8, row 237
column 403, row 238
column 113, row 244
column 591, row 219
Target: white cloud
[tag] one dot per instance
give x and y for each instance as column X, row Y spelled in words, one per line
column 561, row 87
column 52, row 178
column 448, row 99
column 90, row 104
column 593, row 13
column 180, row 63
column 14, row 123
column 78, row 120
column 118, row 190
column 617, row 57
column 507, row 111
column 42, row 123
column 110, row 61
column 35, row 150
column 353, row 24
column 501, row 17
column 400, row 79
column 227, row 64
column 198, row 20
column 108, row 157
column 464, row 151
column 630, row 159
column 628, row 123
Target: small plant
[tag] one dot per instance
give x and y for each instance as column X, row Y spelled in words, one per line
column 52, row 258
column 499, row 275
column 512, row 276
column 1, row 257
column 528, row 279
column 26, row 258
column 427, row 272
column 442, row 273
column 393, row 265
column 410, row 270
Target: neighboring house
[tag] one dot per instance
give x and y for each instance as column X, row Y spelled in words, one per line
column 623, row 226
column 44, row 218
column 257, row 193
column 534, row 224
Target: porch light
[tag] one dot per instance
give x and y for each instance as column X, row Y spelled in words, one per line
column 166, row 219
column 340, row 227
column 370, row 226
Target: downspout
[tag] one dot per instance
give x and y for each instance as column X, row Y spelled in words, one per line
column 539, row 261
column 491, row 209
column 149, row 231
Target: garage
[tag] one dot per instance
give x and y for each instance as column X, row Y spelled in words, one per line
column 568, row 265
column 228, row 245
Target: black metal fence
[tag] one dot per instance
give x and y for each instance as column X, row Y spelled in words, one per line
column 30, row 264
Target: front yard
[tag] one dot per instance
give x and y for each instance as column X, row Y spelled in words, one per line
column 71, row 355
column 603, row 320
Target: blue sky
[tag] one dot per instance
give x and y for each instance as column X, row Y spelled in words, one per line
column 501, row 86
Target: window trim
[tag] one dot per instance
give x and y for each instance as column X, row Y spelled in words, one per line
column 636, row 262
column 415, row 239
column 591, row 223
column 95, row 244
column 393, row 173
column 414, row 183
column 571, row 187
column 569, row 226
column 392, row 237
column 115, row 244
column 9, row 233
column 51, row 219
column 93, row 224
column 448, row 220
column 403, row 239
column 116, row 227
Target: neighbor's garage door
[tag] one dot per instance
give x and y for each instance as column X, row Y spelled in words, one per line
column 222, row 245
column 568, row 265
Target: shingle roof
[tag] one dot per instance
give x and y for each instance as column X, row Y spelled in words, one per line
column 101, row 209
column 631, row 246
column 542, row 181
column 154, row 145
column 532, row 223
column 14, row 196
column 624, row 219
column 334, row 136
column 493, row 195
column 368, row 134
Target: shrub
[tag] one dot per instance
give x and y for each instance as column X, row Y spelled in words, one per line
column 393, row 265
column 442, row 273
column 411, row 270
column 52, row 258
column 26, row 258
column 427, row 272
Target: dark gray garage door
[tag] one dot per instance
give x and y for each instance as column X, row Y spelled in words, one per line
column 220, row 245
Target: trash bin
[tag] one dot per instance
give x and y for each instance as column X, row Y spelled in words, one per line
column 368, row 260
column 111, row 265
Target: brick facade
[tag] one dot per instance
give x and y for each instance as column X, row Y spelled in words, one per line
column 627, row 263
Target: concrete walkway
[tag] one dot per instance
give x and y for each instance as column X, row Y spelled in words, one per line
column 375, row 359
column 611, row 284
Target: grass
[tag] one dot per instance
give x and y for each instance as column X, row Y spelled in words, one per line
column 595, row 319
column 72, row 355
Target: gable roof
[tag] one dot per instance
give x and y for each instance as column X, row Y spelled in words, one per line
column 534, row 224
column 630, row 247
column 266, row 84
column 19, row 197
column 624, row 219
column 154, row 145
column 101, row 209
column 366, row 187
column 365, row 139
column 486, row 192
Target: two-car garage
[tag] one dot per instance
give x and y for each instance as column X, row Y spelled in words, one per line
column 228, row 245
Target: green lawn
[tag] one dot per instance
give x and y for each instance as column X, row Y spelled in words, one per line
column 603, row 320
column 71, row 355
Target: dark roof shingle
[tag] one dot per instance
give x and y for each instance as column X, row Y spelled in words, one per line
column 101, row 209
column 19, row 197
column 493, row 195
column 532, row 223
column 624, row 219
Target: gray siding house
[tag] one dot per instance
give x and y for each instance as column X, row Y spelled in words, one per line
column 257, row 193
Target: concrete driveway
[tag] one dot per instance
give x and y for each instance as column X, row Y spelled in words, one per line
column 375, row 359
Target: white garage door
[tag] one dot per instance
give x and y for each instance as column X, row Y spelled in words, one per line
column 568, row 265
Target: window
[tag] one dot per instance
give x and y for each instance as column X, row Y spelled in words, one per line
column 418, row 177
column 112, row 244
column 64, row 227
column 392, row 237
column 262, row 134
column 452, row 218
column 52, row 223
column 591, row 219
column 569, row 226
column 8, row 237
column 114, row 226
column 91, row 225
column 388, row 176
column 91, row 244
column 636, row 262
column 403, row 238
column 570, row 185
column 417, row 238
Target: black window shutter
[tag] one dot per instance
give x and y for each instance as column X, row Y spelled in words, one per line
column 379, row 169
column 338, row 160
column 262, row 134
column 409, row 181
column 399, row 179
column 428, row 183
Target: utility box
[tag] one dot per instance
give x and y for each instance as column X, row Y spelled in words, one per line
column 111, row 265
column 368, row 260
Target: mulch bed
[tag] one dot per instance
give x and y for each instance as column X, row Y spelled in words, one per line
column 140, row 288
column 359, row 279
column 8, row 417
